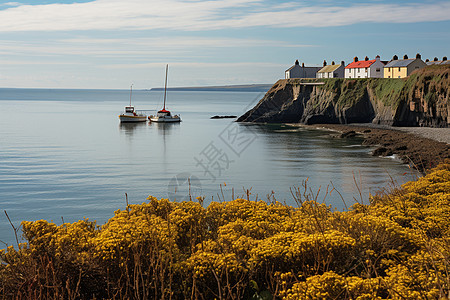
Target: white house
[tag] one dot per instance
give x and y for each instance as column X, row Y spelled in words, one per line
column 297, row 71
column 332, row 71
column 365, row 69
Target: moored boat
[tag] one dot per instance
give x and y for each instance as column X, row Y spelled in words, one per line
column 163, row 115
column 131, row 115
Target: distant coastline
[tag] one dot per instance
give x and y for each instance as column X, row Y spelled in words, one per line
column 219, row 88
column 224, row 88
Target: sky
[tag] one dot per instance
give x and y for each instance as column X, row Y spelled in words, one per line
column 111, row 44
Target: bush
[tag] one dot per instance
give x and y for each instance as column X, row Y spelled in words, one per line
column 395, row 248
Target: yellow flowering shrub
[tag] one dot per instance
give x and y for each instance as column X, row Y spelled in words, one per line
column 125, row 232
column 309, row 253
column 398, row 247
column 424, row 203
column 330, row 285
column 206, row 264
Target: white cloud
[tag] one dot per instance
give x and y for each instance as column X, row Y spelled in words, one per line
column 34, row 63
column 10, row 4
column 136, row 47
column 201, row 65
column 208, row 15
column 338, row 16
column 115, row 14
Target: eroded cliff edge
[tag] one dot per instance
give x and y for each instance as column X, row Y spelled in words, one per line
column 422, row 99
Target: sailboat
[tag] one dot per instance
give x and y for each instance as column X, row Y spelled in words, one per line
column 130, row 114
column 164, row 116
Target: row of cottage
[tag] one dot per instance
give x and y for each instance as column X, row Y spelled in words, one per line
column 374, row 68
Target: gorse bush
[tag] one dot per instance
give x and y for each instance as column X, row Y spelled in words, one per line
column 398, row 247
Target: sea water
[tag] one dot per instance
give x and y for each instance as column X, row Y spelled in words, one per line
column 64, row 156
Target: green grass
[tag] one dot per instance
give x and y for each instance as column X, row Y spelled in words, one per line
column 391, row 92
column 387, row 90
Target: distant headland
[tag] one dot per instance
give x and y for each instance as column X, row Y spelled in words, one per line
column 224, row 88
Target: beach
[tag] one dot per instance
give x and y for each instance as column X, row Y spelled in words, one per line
column 437, row 134
column 422, row 147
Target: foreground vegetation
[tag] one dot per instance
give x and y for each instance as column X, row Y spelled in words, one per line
column 397, row 247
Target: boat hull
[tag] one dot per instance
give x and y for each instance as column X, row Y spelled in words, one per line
column 165, row 120
column 132, row 119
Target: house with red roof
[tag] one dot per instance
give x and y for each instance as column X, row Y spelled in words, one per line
column 365, row 69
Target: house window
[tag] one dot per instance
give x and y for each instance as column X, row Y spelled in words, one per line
column 399, row 69
column 366, row 70
column 378, row 70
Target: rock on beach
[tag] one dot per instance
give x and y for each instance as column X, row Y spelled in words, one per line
column 422, row 147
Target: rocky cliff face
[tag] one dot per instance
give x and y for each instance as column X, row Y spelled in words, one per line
column 420, row 100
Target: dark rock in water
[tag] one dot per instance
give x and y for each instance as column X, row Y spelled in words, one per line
column 348, row 134
column 382, row 151
column 367, row 131
column 223, row 117
column 402, row 148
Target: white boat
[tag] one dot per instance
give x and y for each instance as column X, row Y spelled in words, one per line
column 164, row 116
column 130, row 115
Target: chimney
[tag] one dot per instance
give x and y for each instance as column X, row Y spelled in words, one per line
column 377, row 57
column 342, row 63
column 444, row 58
column 324, row 62
column 405, row 56
column 435, row 59
column 332, row 63
column 303, row 65
column 296, row 62
column 427, row 60
column 418, row 55
column 355, row 59
column 395, row 57
column 366, row 58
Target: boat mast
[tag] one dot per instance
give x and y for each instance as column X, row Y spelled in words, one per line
column 165, row 88
column 131, row 91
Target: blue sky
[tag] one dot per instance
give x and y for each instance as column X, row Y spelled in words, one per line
column 114, row 43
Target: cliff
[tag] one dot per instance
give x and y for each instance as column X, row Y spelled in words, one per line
column 422, row 99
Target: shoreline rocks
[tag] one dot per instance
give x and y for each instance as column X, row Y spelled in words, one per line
column 420, row 152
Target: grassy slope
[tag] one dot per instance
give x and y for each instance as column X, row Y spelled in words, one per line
column 390, row 91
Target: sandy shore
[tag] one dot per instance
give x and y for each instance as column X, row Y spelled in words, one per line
column 437, row 134
column 422, row 147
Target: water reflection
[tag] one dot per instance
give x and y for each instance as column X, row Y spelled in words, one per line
column 295, row 154
column 165, row 128
column 129, row 128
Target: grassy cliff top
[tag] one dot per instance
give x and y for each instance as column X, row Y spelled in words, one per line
column 390, row 91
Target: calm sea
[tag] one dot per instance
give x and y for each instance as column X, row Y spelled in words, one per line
column 65, row 156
